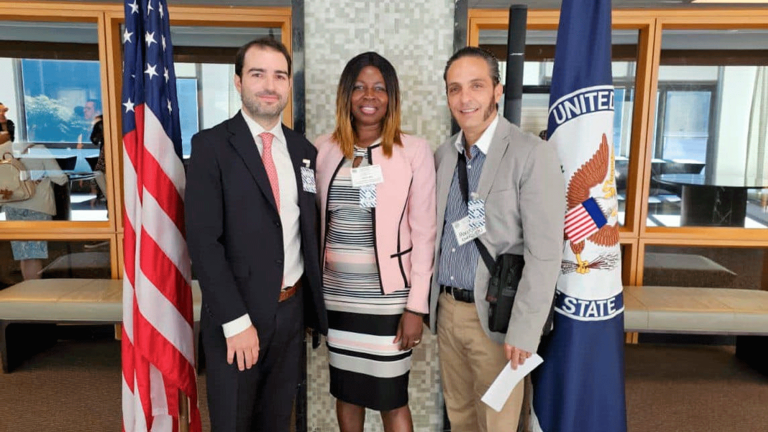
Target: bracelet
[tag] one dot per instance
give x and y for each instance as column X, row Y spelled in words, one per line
column 415, row 313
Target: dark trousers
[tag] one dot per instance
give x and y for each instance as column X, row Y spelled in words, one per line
column 259, row 399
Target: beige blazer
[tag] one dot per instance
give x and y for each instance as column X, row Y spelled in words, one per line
column 524, row 192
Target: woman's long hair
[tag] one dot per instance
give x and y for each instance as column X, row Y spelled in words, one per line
column 345, row 133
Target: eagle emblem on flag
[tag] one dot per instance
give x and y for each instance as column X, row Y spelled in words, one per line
column 583, row 220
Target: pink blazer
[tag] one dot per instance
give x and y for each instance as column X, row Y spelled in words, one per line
column 404, row 218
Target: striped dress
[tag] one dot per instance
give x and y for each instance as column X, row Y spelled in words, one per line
column 367, row 368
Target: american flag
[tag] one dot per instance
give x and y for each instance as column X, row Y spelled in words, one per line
column 157, row 340
column 584, row 220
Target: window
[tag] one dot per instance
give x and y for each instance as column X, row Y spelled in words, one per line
column 186, row 92
column 709, row 166
column 61, row 99
column 53, row 90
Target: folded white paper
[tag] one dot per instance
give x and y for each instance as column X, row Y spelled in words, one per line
column 502, row 387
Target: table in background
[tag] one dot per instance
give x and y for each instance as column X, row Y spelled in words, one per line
column 713, row 200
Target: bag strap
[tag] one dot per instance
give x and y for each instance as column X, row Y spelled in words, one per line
column 461, row 166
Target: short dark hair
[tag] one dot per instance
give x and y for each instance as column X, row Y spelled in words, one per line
column 96, row 104
column 263, row 43
column 470, row 51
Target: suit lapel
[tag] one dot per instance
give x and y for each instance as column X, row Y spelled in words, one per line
column 296, row 152
column 444, row 178
column 493, row 159
column 242, row 140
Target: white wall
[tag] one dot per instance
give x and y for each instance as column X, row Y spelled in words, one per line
column 737, row 90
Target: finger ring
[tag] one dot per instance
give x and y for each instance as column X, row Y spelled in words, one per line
column 417, row 341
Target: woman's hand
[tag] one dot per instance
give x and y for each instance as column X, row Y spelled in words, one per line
column 409, row 330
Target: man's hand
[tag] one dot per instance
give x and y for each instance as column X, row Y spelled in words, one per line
column 516, row 355
column 409, row 331
column 245, row 347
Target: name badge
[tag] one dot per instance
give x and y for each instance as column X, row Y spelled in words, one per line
column 476, row 211
column 368, row 196
column 367, row 176
column 465, row 232
column 308, row 180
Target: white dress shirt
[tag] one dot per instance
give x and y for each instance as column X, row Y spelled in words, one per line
column 289, row 212
column 484, row 142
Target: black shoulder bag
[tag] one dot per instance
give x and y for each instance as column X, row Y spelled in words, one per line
column 505, row 272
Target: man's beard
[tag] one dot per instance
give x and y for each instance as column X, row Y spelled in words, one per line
column 255, row 109
column 490, row 110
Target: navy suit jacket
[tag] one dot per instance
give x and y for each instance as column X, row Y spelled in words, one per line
column 234, row 232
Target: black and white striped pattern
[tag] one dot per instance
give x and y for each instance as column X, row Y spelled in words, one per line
column 367, row 368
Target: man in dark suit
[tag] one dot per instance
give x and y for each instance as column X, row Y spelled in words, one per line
column 252, row 236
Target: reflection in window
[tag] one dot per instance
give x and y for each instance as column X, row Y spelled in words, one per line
column 710, row 163
column 59, row 138
column 42, row 259
column 61, row 99
column 186, row 92
column 683, row 135
column 207, row 97
column 52, row 89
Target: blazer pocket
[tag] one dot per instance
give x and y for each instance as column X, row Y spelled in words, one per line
column 403, row 271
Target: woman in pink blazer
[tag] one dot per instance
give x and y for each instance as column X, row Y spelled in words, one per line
column 376, row 191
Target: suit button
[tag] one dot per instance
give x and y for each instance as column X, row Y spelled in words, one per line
column 279, row 262
column 277, row 224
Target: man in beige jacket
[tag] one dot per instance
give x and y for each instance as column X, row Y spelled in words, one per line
column 516, row 179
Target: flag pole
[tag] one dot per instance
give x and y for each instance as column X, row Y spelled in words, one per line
column 513, row 109
column 183, row 412
column 513, row 84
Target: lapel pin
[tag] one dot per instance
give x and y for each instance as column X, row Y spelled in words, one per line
column 305, row 162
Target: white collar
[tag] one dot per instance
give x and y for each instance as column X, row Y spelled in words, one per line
column 482, row 144
column 256, row 129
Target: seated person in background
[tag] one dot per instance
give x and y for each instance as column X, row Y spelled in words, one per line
column 7, row 129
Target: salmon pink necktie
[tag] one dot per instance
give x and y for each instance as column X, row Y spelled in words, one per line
column 269, row 165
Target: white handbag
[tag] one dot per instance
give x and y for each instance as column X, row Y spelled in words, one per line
column 15, row 184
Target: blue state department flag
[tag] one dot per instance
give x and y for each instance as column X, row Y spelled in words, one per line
column 580, row 385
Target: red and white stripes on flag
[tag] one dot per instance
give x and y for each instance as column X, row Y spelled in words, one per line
column 157, row 340
column 583, row 220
